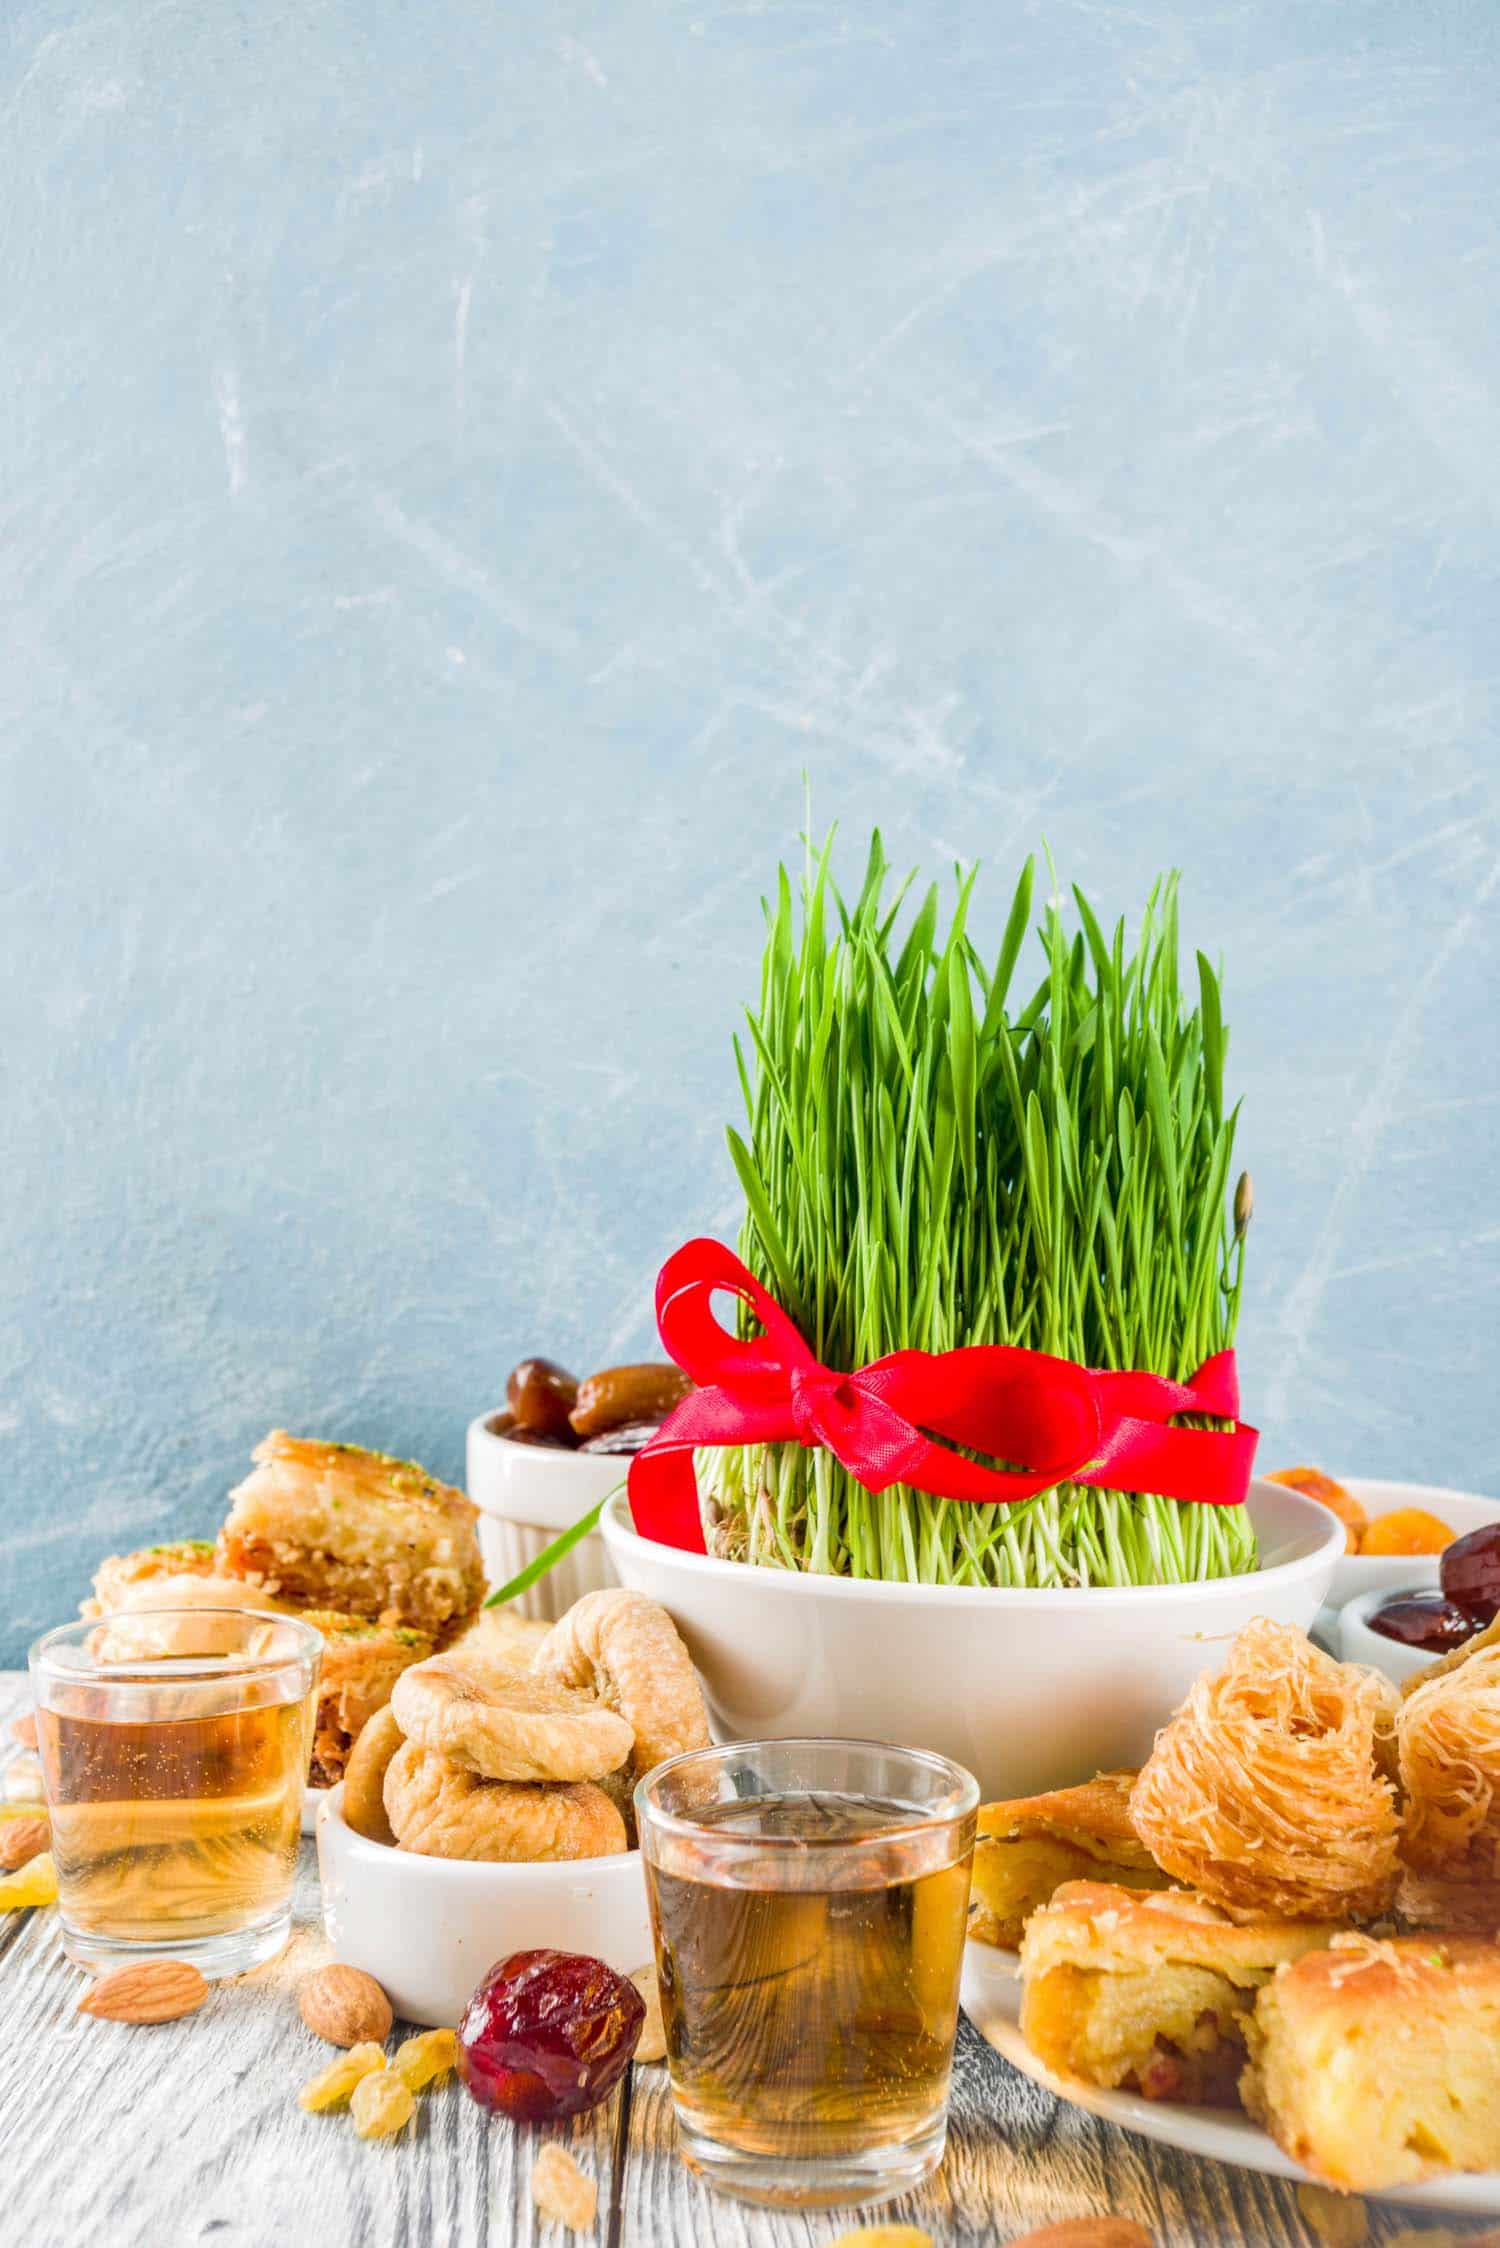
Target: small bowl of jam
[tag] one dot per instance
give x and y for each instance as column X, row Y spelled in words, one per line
column 1403, row 1631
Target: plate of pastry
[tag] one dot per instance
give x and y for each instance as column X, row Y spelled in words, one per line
column 1275, row 1944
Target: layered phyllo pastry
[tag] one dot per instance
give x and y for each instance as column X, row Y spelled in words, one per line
column 1027, row 1849
column 336, row 1527
column 1378, row 2064
column 1149, row 1992
column 361, row 1663
column 184, row 1574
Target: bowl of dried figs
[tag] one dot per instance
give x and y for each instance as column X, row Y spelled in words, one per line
column 557, row 1447
column 488, row 1808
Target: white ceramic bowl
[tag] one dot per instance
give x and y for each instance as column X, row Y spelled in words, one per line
column 430, row 1929
column 1356, row 1643
column 527, row 1495
column 1030, row 1690
column 1390, row 1573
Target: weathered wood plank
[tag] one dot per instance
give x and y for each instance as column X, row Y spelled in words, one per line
column 1017, row 2158
column 190, row 2132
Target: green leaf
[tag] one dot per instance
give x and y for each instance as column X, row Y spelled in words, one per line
column 550, row 1555
column 762, row 1218
column 1213, row 1039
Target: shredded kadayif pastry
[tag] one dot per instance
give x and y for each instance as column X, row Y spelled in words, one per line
column 1448, row 1744
column 1264, row 1792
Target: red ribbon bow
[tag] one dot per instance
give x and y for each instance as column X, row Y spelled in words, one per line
column 1066, row 1423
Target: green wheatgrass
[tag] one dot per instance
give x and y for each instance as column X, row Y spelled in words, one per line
column 926, row 1165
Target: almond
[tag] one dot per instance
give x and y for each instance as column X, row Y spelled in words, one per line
column 151, row 1990
column 21, row 1840
column 23, row 1729
column 346, row 2006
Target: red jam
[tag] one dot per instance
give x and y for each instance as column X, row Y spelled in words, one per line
column 548, row 2034
column 1425, row 1620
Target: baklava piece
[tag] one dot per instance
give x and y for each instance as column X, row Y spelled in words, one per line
column 1027, row 1849
column 1149, row 1993
column 334, row 1526
column 361, row 1663
column 180, row 1575
column 1378, row 2064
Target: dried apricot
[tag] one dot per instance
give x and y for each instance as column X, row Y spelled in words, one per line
column 380, row 2104
column 1408, row 1530
column 1314, row 1484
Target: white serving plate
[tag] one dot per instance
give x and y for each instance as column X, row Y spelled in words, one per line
column 1222, row 2134
column 430, row 1929
column 1356, row 1572
column 1028, row 1689
column 527, row 1495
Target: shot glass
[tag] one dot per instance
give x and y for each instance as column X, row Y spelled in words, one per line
column 174, row 1747
column 808, row 1901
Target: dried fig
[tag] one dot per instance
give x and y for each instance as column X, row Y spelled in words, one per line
column 626, row 1649
column 439, row 1810
column 507, row 1724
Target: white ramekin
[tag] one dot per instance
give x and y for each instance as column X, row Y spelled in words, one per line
column 1029, row 1689
column 1356, row 1642
column 527, row 1495
column 430, row 1929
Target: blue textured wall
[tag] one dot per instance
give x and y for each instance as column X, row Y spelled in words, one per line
column 460, row 464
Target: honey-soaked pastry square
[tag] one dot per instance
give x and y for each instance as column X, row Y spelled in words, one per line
column 506, row 1724
column 1026, row 1850
column 335, row 1526
column 439, row 1810
column 1149, row 1992
column 1378, row 2064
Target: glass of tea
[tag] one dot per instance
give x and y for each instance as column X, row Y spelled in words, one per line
column 174, row 1747
column 809, row 1901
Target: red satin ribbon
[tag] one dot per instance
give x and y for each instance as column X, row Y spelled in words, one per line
column 1066, row 1423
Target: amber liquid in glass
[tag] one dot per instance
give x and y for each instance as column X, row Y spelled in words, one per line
column 810, row 1996
column 177, row 1827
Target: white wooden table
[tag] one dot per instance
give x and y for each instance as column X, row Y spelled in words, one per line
column 189, row 2132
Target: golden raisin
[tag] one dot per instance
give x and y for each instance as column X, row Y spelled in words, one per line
column 381, row 2103
column 885, row 2236
column 34, row 1884
column 421, row 2060
column 338, row 2080
column 561, row 2191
